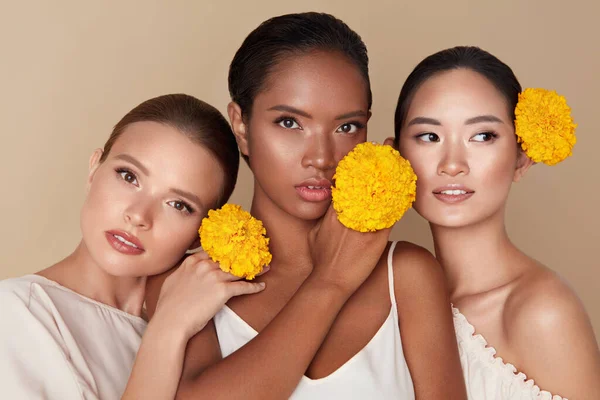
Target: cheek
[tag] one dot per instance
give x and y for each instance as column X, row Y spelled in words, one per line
column 174, row 234
column 103, row 198
column 269, row 147
column 423, row 162
column 344, row 144
column 496, row 169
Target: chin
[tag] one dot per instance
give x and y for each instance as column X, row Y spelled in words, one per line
column 121, row 269
column 445, row 220
column 449, row 222
column 310, row 211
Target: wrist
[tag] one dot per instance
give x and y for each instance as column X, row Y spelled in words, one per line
column 334, row 284
column 165, row 331
column 326, row 288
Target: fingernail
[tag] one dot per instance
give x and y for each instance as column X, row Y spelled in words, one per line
column 262, row 284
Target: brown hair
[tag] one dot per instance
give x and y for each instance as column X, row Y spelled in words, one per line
column 199, row 121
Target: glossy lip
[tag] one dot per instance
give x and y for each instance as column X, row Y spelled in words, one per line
column 321, row 182
column 453, row 198
column 453, row 186
column 315, row 195
column 123, row 247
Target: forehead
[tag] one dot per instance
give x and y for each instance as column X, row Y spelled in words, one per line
column 171, row 157
column 324, row 81
column 460, row 93
column 148, row 138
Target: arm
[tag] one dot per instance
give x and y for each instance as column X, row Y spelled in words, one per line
column 426, row 325
column 272, row 364
column 158, row 364
column 30, row 346
column 552, row 334
column 202, row 288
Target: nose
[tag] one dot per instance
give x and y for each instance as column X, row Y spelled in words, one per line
column 454, row 160
column 320, row 152
column 139, row 214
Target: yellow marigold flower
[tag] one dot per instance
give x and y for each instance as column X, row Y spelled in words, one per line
column 544, row 126
column 236, row 240
column 374, row 186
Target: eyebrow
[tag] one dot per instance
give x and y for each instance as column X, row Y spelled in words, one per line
column 483, row 118
column 293, row 110
column 470, row 121
column 190, row 196
column 134, row 161
column 358, row 113
column 424, row 121
column 290, row 109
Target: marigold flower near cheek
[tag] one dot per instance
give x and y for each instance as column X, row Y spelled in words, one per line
column 544, row 126
column 236, row 240
column 374, row 187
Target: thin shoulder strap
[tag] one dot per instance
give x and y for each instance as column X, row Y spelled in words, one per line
column 390, row 264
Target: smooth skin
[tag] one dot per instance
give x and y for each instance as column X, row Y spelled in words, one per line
column 327, row 291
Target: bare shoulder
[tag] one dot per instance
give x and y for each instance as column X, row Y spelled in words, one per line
column 543, row 302
column 552, row 334
column 425, row 322
column 413, row 263
column 416, row 273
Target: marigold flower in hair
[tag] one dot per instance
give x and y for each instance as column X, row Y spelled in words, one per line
column 544, row 126
column 236, row 240
column 374, row 187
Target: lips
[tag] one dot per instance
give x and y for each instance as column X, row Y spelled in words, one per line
column 315, row 190
column 453, row 193
column 124, row 242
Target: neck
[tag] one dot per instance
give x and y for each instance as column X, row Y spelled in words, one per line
column 81, row 274
column 288, row 234
column 476, row 258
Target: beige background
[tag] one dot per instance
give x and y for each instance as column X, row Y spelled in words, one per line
column 70, row 69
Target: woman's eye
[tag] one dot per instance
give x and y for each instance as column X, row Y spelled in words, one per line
column 128, row 176
column 484, row 137
column 348, row 128
column 428, row 137
column 181, row 206
column 289, row 123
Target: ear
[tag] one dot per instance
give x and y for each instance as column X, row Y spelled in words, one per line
column 240, row 130
column 390, row 142
column 523, row 165
column 93, row 166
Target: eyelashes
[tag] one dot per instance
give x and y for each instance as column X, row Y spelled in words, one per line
column 181, row 206
column 129, row 177
column 430, row 137
column 350, row 127
column 485, row 136
column 289, row 122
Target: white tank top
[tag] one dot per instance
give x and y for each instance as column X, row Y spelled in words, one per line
column 377, row 371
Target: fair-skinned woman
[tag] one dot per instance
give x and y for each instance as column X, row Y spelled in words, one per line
column 71, row 331
column 455, row 124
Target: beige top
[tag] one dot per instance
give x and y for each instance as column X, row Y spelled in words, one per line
column 57, row 344
column 488, row 377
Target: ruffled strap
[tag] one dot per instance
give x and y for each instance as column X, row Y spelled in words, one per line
column 478, row 346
